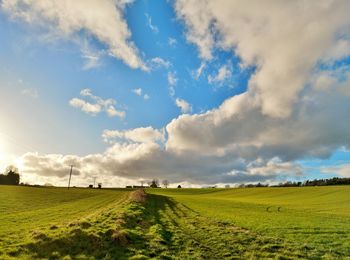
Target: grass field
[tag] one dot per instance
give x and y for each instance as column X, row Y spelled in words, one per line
column 34, row 219
column 315, row 221
column 250, row 223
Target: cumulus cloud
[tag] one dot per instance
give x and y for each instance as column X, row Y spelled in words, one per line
column 223, row 74
column 183, row 105
column 140, row 135
column 97, row 104
column 342, row 170
column 283, row 49
column 138, row 92
column 130, row 162
column 103, row 19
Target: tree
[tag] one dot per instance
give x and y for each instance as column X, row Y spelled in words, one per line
column 179, row 186
column 154, row 183
column 165, row 183
column 10, row 177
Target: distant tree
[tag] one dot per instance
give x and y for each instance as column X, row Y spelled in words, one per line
column 48, row 185
column 10, row 177
column 154, row 183
column 227, row 186
column 142, row 182
column 165, row 183
column 179, row 186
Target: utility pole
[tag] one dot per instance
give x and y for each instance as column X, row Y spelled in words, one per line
column 94, row 181
column 70, row 175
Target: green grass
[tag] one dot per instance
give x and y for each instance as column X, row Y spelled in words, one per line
column 28, row 214
column 313, row 220
column 255, row 223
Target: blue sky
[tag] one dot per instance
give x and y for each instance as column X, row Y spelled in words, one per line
column 213, row 89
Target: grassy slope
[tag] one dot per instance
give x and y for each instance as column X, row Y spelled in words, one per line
column 315, row 218
column 185, row 224
column 28, row 215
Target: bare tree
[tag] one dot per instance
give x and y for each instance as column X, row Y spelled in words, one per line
column 154, row 183
column 142, row 182
column 165, row 183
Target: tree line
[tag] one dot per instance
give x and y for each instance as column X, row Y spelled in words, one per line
column 315, row 182
column 10, row 177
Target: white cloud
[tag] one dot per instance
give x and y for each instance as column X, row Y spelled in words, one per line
column 92, row 57
column 172, row 79
column 153, row 28
column 103, row 19
column 30, row 92
column 85, row 106
column 172, row 41
column 111, row 111
column 183, row 105
column 137, row 91
column 223, row 74
column 342, row 170
column 97, row 105
column 198, row 72
column 139, row 135
column 159, row 62
column 284, row 41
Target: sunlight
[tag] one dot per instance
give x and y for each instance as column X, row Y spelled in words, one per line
column 2, row 149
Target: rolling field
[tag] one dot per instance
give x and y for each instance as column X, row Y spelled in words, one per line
column 315, row 221
column 251, row 223
column 36, row 222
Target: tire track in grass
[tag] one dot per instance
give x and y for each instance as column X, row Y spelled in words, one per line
column 196, row 237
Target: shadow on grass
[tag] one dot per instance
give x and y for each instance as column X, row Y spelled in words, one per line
column 139, row 232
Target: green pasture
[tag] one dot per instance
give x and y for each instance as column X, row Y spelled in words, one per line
column 245, row 223
column 28, row 213
column 316, row 218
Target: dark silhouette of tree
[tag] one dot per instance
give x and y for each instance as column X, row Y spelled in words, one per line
column 165, row 183
column 10, row 177
column 179, row 186
column 154, row 183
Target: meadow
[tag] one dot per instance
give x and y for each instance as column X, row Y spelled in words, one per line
column 248, row 223
column 315, row 221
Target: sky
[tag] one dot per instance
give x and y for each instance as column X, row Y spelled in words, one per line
column 195, row 92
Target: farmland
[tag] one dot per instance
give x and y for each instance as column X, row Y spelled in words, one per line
column 313, row 220
column 54, row 223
